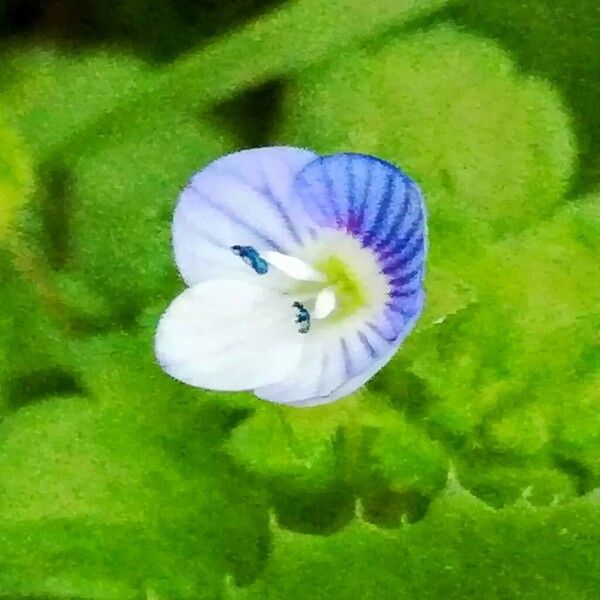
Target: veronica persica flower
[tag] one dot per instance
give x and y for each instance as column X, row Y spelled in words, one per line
column 305, row 274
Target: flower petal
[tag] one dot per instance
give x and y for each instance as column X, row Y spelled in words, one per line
column 245, row 199
column 349, row 386
column 229, row 335
column 365, row 196
column 377, row 204
column 334, row 364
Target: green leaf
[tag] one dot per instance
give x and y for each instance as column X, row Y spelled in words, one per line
column 307, row 447
column 462, row 363
column 408, row 460
column 316, row 461
column 571, row 61
column 51, row 94
column 127, row 186
column 288, row 38
column 354, row 441
column 461, row 549
column 492, row 150
column 542, row 287
column 34, row 361
column 126, row 493
column 550, row 272
column 509, row 384
column 272, row 443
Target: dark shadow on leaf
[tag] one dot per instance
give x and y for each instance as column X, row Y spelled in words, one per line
column 156, row 31
column 55, row 206
column 315, row 512
column 386, row 508
column 38, row 385
column 252, row 115
column 581, row 476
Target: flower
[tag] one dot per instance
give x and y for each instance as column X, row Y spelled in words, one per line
column 305, row 274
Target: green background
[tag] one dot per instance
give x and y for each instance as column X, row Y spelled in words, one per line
column 468, row 468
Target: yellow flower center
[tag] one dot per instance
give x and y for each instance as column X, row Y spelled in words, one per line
column 345, row 283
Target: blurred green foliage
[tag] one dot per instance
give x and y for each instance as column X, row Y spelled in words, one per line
column 468, row 467
column 15, row 178
column 460, row 549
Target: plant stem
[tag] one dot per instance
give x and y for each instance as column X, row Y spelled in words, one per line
column 33, row 270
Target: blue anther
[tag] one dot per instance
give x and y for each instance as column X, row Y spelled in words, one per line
column 252, row 258
column 302, row 317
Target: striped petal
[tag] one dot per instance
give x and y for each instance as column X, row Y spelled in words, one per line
column 246, row 199
column 375, row 203
column 229, row 335
column 363, row 195
column 358, row 219
column 335, row 363
column 351, row 385
column 382, row 209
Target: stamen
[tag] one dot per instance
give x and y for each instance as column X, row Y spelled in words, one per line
column 302, row 317
column 252, row 258
column 325, row 304
column 293, row 267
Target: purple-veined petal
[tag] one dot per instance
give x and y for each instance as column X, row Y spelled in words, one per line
column 349, row 386
column 246, row 198
column 365, row 196
column 327, row 362
column 354, row 383
column 375, row 203
column 229, row 335
column 335, row 363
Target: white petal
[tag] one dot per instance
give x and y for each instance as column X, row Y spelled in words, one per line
column 311, row 377
column 350, row 386
column 329, row 360
column 293, row 267
column 229, row 335
column 362, row 376
column 246, row 199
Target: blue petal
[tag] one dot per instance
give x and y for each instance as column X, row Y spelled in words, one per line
column 382, row 207
column 246, row 199
column 363, row 195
